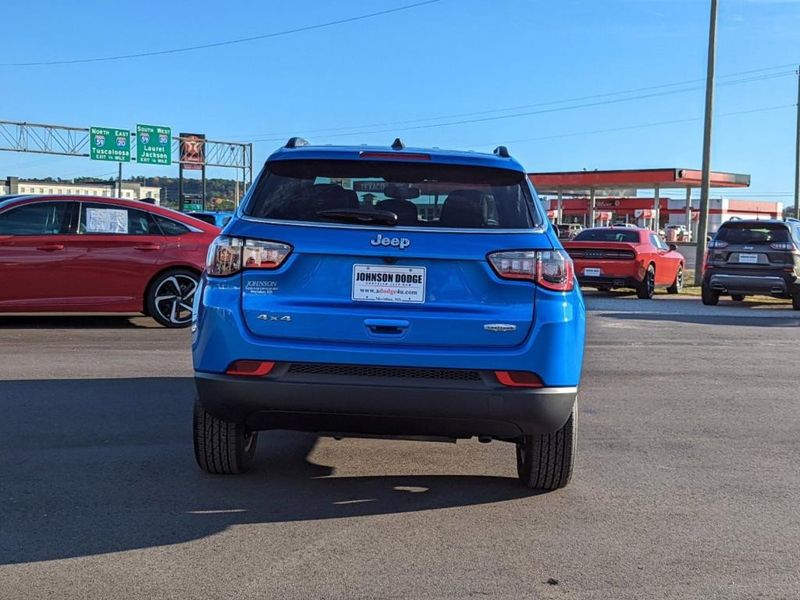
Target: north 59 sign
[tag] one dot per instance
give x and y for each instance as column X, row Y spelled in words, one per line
column 106, row 143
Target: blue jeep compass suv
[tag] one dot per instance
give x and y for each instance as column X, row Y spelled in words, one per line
column 386, row 291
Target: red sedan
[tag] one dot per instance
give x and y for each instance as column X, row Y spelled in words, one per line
column 79, row 254
column 626, row 257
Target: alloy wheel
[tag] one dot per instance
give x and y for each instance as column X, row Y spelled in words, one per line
column 174, row 297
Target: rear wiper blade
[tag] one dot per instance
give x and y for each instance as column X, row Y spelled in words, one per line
column 360, row 215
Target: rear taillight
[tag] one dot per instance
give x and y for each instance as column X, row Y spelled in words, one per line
column 551, row 269
column 782, row 246
column 250, row 368
column 519, row 379
column 229, row 255
column 706, row 263
column 717, row 244
column 514, row 265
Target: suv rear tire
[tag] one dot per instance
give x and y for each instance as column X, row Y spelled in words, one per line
column 545, row 461
column 222, row 447
column 677, row 285
column 710, row 297
column 796, row 300
column 647, row 286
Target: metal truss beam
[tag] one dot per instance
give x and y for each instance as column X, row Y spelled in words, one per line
column 59, row 140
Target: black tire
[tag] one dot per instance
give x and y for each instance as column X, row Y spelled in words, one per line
column 221, row 447
column 170, row 296
column 545, row 462
column 710, row 297
column 677, row 285
column 737, row 297
column 647, row 286
column 796, row 300
column 603, row 288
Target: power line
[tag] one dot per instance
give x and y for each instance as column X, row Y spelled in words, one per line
column 267, row 136
column 243, row 40
column 543, row 111
column 623, row 128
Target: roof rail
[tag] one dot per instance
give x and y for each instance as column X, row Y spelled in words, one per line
column 398, row 144
column 296, row 142
column 792, row 219
column 502, row 151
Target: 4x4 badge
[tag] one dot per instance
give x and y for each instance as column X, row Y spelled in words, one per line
column 266, row 317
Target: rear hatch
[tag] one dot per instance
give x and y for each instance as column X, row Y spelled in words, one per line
column 425, row 281
column 748, row 248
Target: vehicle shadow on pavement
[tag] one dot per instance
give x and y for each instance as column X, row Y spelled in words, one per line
column 106, row 465
column 76, row 322
column 744, row 320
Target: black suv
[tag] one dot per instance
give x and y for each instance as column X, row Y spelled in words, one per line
column 753, row 257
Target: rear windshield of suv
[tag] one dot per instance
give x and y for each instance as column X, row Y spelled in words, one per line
column 753, row 233
column 607, row 235
column 420, row 195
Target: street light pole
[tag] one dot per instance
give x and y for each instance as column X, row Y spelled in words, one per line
column 702, row 224
column 797, row 155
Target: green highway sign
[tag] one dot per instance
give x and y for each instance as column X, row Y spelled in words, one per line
column 153, row 145
column 106, row 143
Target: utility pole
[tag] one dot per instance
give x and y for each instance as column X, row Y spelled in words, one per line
column 797, row 155
column 119, row 182
column 702, row 223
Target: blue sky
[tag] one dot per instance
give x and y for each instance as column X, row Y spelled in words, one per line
column 454, row 73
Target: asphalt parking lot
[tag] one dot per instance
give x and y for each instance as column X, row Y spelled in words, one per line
column 686, row 483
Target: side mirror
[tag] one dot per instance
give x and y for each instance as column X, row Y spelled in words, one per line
column 673, row 247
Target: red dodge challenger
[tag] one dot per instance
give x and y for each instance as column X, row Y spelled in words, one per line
column 624, row 257
column 81, row 254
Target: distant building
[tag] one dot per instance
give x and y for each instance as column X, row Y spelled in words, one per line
column 130, row 190
column 723, row 209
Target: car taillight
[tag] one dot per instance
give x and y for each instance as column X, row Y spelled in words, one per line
column 706, row 263
column 717, row 244
column 782, row 246
column 229, row 255
column 551, row 269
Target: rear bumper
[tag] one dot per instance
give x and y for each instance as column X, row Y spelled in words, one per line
column 782, row 284
column 610, row 281
column 385, row 406
column 613, row 273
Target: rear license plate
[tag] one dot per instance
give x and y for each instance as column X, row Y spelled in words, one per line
column 750, row 259
column 377, row 283
column 591, row 272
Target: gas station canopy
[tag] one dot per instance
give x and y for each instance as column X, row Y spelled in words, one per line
column 586, row 186
column 583, row 182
